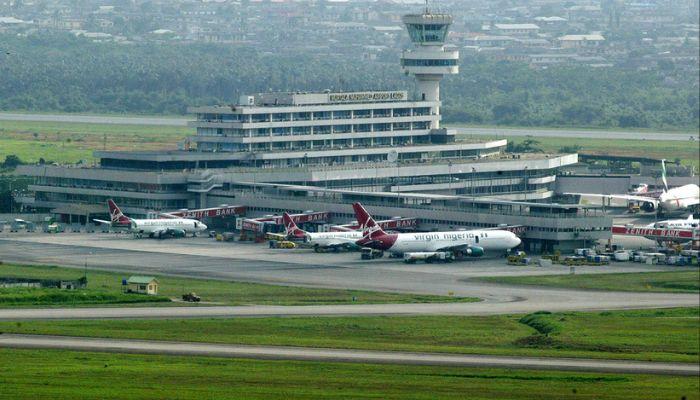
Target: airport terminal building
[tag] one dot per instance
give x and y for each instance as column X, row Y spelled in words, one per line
column 371, row 142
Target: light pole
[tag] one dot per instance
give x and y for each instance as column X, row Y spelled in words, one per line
column 85, row 267
column 472, row 182
column 449, row 183
column 398, row 180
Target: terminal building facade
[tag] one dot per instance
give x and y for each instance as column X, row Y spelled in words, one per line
column 365, row 142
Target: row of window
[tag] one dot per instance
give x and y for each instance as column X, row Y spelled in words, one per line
column 316, row 130
column 313, row 144
column 428, row 63
column 422, row 33
column 110, row 185
column 315, row 116
column 151, row 204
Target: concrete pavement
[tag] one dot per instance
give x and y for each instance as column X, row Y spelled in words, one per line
column 577, row 133
column 342, row 355
column 521, row 306
column 206, row 258
column 500, row 131
column 94, row 119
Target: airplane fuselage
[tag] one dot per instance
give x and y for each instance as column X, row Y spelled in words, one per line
column 162, row 225
column 489, row 240
column 679, row 198
column 330, row 239
column 676, row 224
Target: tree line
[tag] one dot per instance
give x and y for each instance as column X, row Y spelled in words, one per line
column 54, row 72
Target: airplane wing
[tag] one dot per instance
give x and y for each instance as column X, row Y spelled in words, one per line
column 628, row 197
column 275, row 236
column 692, row 203
column 458, row 247
column 339, row 228
column 342, row 242
column 166, row 215
column 103, row 222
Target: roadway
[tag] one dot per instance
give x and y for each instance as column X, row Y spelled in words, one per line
column 577, row 133
column 342, row 355
column 94, row 119
column 504, row 132
column 206, row 258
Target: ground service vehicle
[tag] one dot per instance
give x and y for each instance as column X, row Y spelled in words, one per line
column 428, row 257
column 370, row 254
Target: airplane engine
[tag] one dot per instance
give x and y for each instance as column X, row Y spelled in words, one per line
column 178, row 233
column 474, row 251
column 647, row 207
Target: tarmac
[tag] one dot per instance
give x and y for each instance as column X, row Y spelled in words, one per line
column 248, row 262
column 477, row 131
column 343, row 355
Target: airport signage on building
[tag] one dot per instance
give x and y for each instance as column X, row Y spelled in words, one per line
column 215, row 212
column 366, row 96
column 396, row 223
column 659, row 233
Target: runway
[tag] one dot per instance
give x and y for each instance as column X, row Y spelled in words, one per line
column 501, row 131
column 577, row 133
column 95, row 119
column 342, row 355
column 206, row 258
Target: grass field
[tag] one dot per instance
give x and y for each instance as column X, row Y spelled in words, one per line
column 688, row 151
column 671, row 282
column 224, row 292
column 655, row 335
column 70, row 142
column 58, row 374
column 505, row 128
column 12, row 297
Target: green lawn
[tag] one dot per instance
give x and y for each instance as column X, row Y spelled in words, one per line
column 655, row 335
column 506, row 128
column 58, row 374
column 13, row 297
column 672, row 282
column 669, row 149
column 225, row 292
column 69, row 142
column 64, row 142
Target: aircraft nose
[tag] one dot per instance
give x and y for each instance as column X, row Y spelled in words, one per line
column 516, row 241
column 202, row 227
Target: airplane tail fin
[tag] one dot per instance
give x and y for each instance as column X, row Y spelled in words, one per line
column 663, row 175
column 290, row 227
column 116, row 215
column 367, row 223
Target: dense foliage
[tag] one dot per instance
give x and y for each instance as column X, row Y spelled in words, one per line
column 64, row 73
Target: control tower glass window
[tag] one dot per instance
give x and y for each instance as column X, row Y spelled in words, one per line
column 427, row 33
column 428, row 63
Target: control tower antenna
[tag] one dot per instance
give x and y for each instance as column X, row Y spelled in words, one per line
column 429, row 61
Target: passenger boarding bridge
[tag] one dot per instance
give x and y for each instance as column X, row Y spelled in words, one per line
column 547, row 226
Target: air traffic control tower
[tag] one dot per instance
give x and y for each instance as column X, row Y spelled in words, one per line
column 429, row 60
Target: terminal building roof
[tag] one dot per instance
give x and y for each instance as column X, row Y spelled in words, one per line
column 316, row 98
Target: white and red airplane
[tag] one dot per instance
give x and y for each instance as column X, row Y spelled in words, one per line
column 321, row 240
column 688, row 223
column 473, row 243
column 676, row 199
column 160, row 228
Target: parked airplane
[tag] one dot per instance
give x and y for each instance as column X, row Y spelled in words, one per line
column 688, row 223
column 155, row 228
column 321, row 240
column 473, row 243
column 680, row 198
